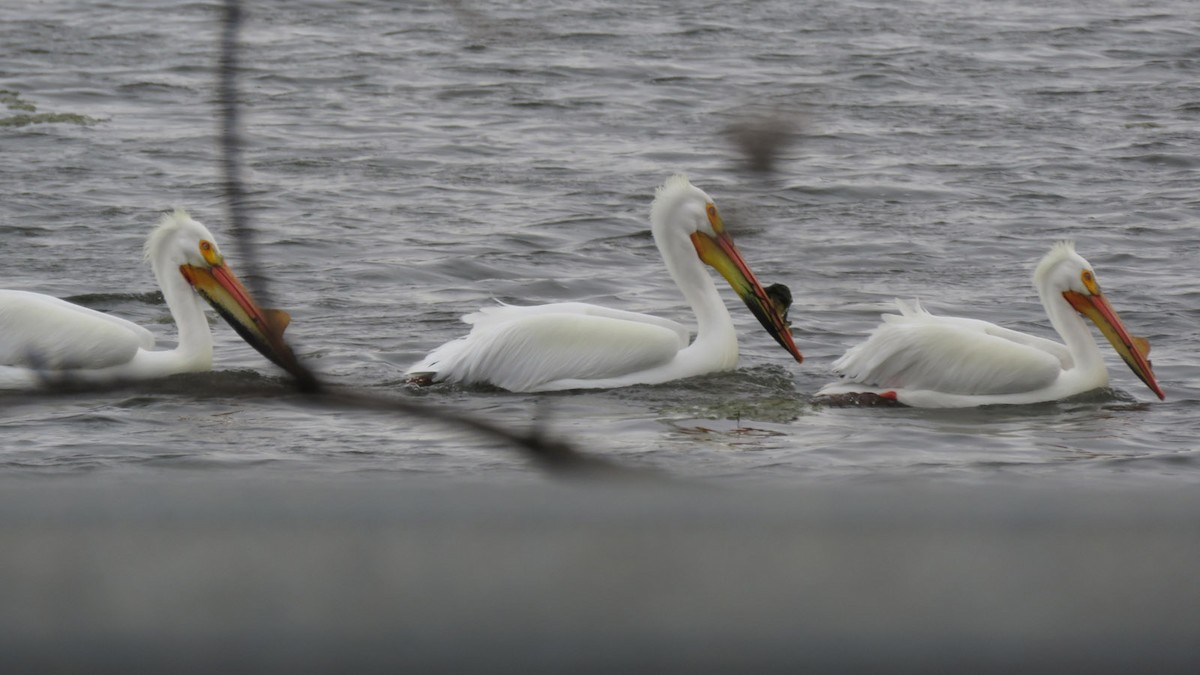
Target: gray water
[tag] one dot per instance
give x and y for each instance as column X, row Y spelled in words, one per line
column 410, row 162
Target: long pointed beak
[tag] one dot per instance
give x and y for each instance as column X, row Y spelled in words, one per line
column 1133, row 350
column 261, row 328
column 723, row 256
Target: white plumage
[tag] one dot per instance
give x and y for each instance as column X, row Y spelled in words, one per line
column 42, row 331
column 41, row 335
column 577, row 345
column 946, row 362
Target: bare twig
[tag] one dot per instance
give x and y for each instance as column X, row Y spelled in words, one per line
column 762, row 136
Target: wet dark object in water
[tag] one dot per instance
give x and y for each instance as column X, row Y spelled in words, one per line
column 780, row 296
column 864, row 399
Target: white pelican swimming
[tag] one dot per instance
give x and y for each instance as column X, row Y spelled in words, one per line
column 928, row 361
column 43, row 336
column 575, row 345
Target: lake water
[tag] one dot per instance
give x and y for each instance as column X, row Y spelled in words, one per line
column 410, row 162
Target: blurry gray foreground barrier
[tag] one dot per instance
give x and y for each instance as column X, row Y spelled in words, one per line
column 348, row 575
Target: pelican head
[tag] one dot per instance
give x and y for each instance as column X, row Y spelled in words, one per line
column 1064, row 271
column 186, row 245
column 679, row 204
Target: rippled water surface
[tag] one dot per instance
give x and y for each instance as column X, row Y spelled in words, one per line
column 409, row 162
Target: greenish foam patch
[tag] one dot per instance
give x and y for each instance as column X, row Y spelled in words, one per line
column 47, row 118
column 776, row 409
column 29, row 114
column 13, row 101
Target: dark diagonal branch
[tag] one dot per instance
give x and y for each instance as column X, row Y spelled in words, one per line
column 546, row 451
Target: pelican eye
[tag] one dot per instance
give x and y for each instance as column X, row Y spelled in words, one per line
column 208, row 251
column 714, row 219
column 1089, row 282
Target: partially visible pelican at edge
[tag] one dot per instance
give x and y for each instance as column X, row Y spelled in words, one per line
column 922, row 360
column 42, row 336
column 576, row 345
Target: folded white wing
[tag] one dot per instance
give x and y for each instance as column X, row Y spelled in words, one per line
column 520, row 348
column 501, row 313
column 44, row 332
column 916, row 350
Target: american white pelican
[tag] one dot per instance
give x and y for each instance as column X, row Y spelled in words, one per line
column 928, row 361
column 575, row 345
column 43, row 336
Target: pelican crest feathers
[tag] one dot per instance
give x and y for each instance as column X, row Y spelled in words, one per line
column 167, row 224
column 667, row 195
column 1060, row 251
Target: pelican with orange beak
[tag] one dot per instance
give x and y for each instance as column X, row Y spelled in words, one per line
column 575, row 345
column 922, row 360
column 44, row 337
